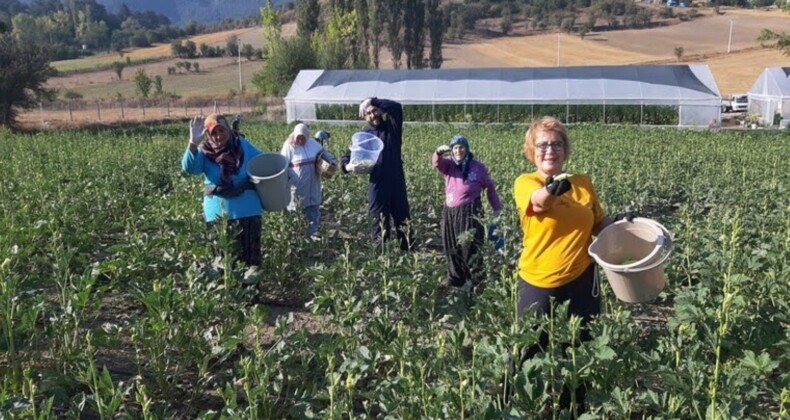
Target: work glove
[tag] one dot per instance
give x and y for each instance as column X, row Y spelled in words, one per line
column 627, row 215
column 351, row 168
column 196, row 130
column 323, row 138
column 441, row 150
column 494, row 237
column 363, row 107
column 557, row 188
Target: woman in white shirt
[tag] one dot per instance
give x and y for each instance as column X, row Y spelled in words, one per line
column 304, row 154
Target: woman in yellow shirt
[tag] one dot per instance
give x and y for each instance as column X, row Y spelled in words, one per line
column 559, row 216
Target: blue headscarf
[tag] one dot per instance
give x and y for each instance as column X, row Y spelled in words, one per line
column 463, row 164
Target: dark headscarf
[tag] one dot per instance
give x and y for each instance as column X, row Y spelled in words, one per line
column 229, row 157
column 465, row 162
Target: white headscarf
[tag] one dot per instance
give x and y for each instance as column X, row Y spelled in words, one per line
column 299, row 130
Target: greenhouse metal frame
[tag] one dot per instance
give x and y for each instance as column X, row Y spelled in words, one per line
column 689, row 89
column 770, row 95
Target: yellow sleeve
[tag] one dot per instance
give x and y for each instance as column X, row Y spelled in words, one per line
column 523, row 187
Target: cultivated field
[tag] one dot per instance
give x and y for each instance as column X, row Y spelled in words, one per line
column 113, row 305
column 704, row 40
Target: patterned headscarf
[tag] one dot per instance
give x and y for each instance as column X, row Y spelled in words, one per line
column 230, row 156
column 464, row 163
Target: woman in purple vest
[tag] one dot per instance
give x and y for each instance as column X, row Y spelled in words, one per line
column 464, row 181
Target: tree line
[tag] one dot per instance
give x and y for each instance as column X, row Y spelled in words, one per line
column 350, row 34
column 73, row 28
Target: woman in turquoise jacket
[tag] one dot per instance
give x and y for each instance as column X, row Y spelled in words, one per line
column 222, row 160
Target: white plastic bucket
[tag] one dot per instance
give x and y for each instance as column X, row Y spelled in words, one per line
column 631, row 254
column 268, row 172
column 365, row 149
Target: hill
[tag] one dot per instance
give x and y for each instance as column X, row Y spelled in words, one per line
column 704, row 41
column 182, row 11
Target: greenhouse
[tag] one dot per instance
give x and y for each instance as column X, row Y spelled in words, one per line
column 770, row 96
column 675, row 95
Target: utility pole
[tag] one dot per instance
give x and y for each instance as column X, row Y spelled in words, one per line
column 729, row 42
column 558, row 49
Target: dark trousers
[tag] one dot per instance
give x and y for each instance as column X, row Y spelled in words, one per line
column 246, row 235
column 460, row 254
column 385, row 211
column 585, row 302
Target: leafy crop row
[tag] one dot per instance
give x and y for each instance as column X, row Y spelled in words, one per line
column 515, row 114
column 112, row 303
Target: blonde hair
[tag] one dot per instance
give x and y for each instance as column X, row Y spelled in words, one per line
column 550, row 124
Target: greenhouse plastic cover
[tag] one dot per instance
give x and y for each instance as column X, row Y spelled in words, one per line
column 770, row 94
column 676, row 85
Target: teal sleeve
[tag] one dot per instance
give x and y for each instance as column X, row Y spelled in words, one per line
column 192, row 163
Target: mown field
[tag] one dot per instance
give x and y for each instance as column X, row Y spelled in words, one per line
column 111, row 303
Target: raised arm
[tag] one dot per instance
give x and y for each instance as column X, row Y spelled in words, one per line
column 441, row 163
column 391, row 108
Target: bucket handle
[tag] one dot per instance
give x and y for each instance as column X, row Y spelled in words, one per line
column 667, row 245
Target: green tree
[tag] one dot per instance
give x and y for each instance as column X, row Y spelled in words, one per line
column 158, row 85
column 272, row 27
column 377, row 13
column 284, row 63
column 178, row 50
column 334, row 47
column 94, row 34
column 307, row 14
column 363, row 34
column 435, row 32
column 24, row 68
column 394, row 10
column 506, row 25
column 117, row 67
column 248, row 51
column 142, row 83
column 414, row 33
column 232, row 45
column 778, row 40
column 191, row 49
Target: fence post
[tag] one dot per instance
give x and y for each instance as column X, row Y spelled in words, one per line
column 71, row 117
column 216, row 111
column 98, row 109
column 122, row 114
column 143, row 103
column 41, row 112
column 185, row 109
column 168, row 109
